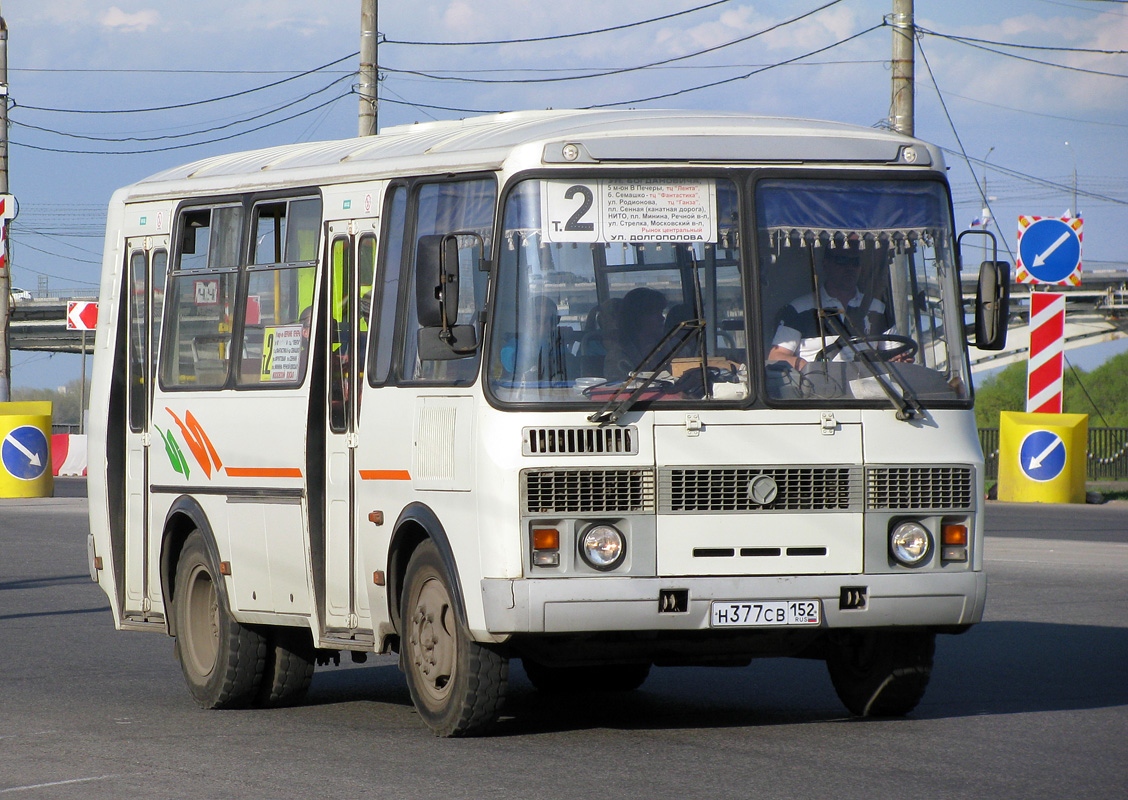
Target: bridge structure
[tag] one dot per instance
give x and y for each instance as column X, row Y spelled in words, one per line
column 1096, row 311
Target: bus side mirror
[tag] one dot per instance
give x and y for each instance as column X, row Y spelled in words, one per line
column 436, row 300
column 992, row 305
column 436, row 280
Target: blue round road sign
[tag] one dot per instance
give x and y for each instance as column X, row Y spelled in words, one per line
column 1050, row 250
column 1041, row 457
column 25, row 453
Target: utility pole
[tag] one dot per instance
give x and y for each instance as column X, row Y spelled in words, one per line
column 368, row 74
column 904, row 45
column 5, row 279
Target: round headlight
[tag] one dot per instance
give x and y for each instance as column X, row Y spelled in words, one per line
column 910, row 543
column 602, row 547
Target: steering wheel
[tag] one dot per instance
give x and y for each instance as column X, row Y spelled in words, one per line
column 905, row 345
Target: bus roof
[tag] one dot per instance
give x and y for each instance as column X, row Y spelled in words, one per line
column 487, row 142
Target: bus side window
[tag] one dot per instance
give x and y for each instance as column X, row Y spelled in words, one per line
column 386, row 292
column 280, row 283
column 201, row 298
column 442, row 208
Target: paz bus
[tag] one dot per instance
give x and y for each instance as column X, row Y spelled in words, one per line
column 586, row 389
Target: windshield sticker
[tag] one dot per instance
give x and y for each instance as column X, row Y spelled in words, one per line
column 643, row 210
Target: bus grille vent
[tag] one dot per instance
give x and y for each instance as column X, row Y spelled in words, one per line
column 919, row 487
column 588, row 491
column 587, row 441
column 726, row 489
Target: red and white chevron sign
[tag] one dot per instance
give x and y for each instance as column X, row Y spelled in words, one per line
column 1047, row 346
column 7, row 211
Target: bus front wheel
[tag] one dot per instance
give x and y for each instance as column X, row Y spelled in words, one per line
column 456, row 684
column 221, row 659
column 881, row 673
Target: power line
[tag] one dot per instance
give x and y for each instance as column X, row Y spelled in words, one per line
column 199, row 132
column 621, row 70
column 968, row 39
column 194, row 102
column 968, row 43
column 738, row 77
column 385, row 40
column 187, row 145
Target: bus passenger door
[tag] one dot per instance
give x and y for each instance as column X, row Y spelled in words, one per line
column 352, row 247
column 146, row 268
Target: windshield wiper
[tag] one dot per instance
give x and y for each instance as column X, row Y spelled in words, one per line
column 906, row 403
column 606, row 413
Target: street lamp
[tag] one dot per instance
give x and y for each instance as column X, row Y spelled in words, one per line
column 1074, row 211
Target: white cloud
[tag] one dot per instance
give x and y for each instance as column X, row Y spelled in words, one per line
column 137, row 22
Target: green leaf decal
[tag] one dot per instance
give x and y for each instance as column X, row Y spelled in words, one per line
column 175, row 454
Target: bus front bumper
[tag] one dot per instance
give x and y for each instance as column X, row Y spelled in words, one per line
column 576, row 605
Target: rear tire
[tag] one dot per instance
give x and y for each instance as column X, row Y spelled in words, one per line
column 882, row 673
column 596, row 678
column 221, row 659
column 457, row 685
column 288, row 671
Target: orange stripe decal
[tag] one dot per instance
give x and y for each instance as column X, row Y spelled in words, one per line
column 263, row 472
column 385, row 475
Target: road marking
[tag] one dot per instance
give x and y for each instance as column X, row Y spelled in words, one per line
column 55, row 783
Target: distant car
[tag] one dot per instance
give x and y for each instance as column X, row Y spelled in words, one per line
column 20, row 294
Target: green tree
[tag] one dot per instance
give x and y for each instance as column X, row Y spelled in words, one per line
column 65, row 408
column 1102, row 394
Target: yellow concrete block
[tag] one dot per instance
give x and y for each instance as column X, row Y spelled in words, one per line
column 1042, row 457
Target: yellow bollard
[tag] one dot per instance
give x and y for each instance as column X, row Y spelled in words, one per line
column 1042, row 457
column 25, row 450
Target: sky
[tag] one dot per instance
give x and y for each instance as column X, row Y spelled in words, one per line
column 81, row 74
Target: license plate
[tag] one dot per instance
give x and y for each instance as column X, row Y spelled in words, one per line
column 751, row 613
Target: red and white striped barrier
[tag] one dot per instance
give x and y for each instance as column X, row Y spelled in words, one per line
column 68, row 454
column 1047, row 346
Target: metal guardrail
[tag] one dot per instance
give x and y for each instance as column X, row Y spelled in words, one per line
column 1107, row 453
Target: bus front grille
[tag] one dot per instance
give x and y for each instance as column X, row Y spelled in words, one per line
column 566, row 441
column 919, row 488
column 587, row 491
column 700, row 490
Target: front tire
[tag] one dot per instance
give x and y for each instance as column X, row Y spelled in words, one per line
column 221, row 659
column 882, row 673
column 456, row 684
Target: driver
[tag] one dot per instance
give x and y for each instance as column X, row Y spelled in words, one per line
column 799, row 339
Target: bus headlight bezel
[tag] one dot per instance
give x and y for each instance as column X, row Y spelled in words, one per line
column 602, row 546
column 910, row 543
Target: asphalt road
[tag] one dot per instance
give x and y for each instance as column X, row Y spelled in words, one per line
column 1032, row 703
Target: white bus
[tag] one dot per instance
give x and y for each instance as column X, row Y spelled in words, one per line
column 598, row 391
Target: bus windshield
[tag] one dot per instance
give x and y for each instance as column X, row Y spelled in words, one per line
column 606, row 284
column 860, row 300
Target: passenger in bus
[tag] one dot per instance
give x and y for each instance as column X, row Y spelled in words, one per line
column 800, row 334
column 538, row 352
column 641, row 325
column 601, row 326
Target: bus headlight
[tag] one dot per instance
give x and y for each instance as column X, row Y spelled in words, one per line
column 603, row 547
column 910, row 543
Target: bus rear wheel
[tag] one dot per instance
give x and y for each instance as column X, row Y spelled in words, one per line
column 456, row 684
column 289, row 667
column 881, row 673
column 221, row 659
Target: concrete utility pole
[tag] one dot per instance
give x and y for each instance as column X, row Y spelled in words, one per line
column 5, row 279
column 904, row 45
column 368, row 74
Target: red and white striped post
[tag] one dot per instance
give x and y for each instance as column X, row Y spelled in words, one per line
column 1047, row 348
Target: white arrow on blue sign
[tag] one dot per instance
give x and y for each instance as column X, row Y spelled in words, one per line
column 1050, row 249
column 25, row 453
column 1041, row 456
